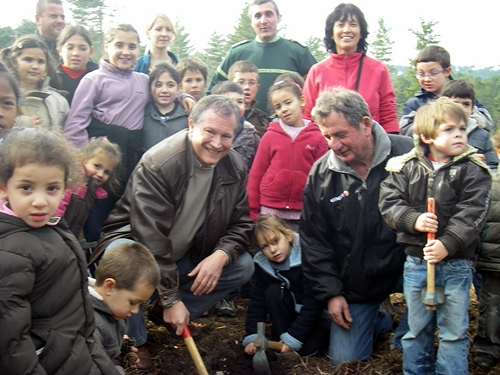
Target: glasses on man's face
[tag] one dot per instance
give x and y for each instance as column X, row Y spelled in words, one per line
column 244, row 83
column 421, row 75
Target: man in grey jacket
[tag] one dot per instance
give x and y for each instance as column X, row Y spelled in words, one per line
column 350, row 254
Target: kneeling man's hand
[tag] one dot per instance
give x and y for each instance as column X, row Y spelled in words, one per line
column 339, row 311
column 177, row 316
column 207, row 273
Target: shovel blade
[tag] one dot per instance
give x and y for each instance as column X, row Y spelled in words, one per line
column 260, row 364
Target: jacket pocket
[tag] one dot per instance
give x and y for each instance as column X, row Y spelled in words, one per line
column 56, row 351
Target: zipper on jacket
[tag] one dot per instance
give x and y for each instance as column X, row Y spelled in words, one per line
column 360, row 190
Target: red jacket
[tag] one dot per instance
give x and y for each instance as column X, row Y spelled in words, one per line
column 375, row 85
column 280, row 168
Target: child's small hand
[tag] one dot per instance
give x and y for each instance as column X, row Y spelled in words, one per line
column 426, row 223
column 434, row 251
column 250, row 349
column 188, row 104
column 37, row 121
column 285, row 348
column 480, row 157
column 129, row 357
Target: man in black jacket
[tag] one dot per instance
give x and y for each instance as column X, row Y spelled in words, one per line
column 350, row 254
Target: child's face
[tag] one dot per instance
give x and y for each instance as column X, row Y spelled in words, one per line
column 288, row 107
column 8, row 106
column 193, row 83
column 249, row 82
column 466, row 104
column 346, row 35
column 76, row 52
column 100, row 167
column 123, row 49
column 123, row 303
column 31, row 66
column 451, row 140
column 277, row 247
column 161, row 34
column 432, row 77
column 34, row 192
column 239, row 99
column 164, row 92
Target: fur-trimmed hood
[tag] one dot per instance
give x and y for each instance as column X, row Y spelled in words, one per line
column 397, row 163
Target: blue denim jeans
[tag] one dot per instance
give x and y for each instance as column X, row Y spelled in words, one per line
column 368, row 321
column 232, row 277
column 451, row 318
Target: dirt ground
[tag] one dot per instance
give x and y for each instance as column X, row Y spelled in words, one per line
column 220, row 348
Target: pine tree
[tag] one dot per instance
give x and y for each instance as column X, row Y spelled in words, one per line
column 214, row 53
column 181, row 46
column 382, row 46
column 92, row 15
column 243, row 30
column 426, row 36
column 26, row 27
column 6, row 36
column 488, row 93
column 317, row 47
column 404, row 88
column 407, row 86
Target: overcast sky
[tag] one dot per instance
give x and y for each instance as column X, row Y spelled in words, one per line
column 469, row 31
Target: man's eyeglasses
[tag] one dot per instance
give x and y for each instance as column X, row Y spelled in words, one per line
column 244, row 83
column 429, row 75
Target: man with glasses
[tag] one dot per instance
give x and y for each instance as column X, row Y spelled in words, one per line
column 270, row 53
column 433, row 68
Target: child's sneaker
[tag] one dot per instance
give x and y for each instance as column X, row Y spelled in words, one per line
column 225, row 308
column 485, row 360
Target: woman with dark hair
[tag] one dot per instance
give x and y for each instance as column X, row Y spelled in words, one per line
column 346, row 33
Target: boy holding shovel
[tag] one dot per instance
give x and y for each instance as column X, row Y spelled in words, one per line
column 442, row 166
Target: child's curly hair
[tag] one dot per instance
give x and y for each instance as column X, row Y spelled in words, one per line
column 38, row 146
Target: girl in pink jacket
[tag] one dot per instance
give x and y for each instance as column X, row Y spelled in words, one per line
column 285, row 155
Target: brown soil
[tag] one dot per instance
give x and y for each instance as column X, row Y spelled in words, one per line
column 220, row 348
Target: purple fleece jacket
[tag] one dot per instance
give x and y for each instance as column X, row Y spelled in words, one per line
column 111, row 95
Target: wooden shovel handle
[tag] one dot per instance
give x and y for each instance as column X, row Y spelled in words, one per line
column 193, row 351
column 431, row 207
column 431, row 269
column 274, row 345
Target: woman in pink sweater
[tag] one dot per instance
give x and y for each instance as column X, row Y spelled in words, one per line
column 348, row 66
